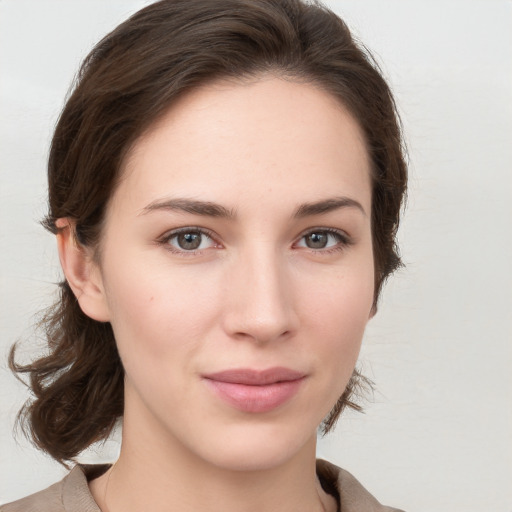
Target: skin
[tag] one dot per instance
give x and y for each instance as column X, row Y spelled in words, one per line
column 255, row 294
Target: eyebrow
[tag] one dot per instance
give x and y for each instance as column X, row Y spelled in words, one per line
column 204, row 208
column 326, row 206
column 209, row 209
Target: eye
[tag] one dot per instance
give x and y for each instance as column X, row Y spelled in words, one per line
column 189, row 240
column 323, row 239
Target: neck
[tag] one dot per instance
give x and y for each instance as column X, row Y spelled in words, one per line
column 160, row 476
column 140, row 484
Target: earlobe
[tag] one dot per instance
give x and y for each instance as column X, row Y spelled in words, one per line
column 81, row 272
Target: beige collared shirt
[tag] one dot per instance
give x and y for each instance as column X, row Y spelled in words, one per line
column 72, row 493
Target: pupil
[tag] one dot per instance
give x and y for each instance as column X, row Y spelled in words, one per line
column 316, row 240
column 189, row 241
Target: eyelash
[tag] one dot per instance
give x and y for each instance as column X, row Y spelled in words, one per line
column 343, row 240
column 165, row 240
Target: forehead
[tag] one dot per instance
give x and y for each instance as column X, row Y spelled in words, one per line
column 237, row 139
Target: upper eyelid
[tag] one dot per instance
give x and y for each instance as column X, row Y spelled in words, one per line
column 334, row 231
column 165, row 240
column 188, row 229
column 322, row 228
column 347, row 238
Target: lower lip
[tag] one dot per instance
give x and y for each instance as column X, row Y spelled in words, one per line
column 248, row 398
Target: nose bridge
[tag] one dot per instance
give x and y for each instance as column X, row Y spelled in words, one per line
column 261, row 305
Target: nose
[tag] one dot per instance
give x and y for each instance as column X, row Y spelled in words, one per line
column 261, row 299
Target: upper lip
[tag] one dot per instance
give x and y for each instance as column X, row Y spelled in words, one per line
column 253, row 377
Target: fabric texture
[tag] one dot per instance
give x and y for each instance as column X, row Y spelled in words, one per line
column 72, row 494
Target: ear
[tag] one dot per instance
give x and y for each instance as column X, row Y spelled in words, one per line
column 82, row 272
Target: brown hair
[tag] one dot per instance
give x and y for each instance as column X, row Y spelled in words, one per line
column 127, row 82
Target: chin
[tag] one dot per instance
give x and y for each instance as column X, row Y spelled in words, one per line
column 259, row 448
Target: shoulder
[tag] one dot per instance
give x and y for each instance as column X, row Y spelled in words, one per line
column 352, row 496
column 42, row 501
column 71, row 494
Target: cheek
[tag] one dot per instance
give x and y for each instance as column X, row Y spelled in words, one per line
column 341, row 298
column 156, row 310
column 338, row 313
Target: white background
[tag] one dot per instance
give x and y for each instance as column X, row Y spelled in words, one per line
column 437, row 435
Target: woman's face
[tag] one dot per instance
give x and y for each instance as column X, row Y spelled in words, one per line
column 236, row 270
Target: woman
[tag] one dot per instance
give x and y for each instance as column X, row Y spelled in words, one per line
column 225, row 184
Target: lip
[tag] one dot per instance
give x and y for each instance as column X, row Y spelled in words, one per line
column 255, row 391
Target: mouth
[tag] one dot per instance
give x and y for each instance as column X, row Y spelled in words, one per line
column 255, row 391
